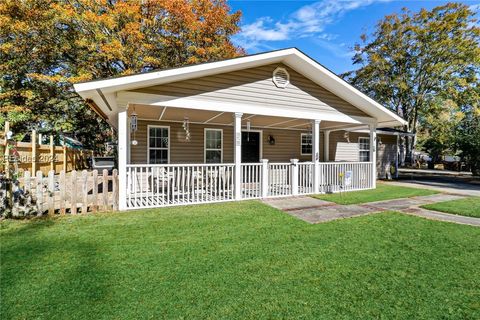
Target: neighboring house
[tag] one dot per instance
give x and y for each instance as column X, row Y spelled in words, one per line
column 270, row 124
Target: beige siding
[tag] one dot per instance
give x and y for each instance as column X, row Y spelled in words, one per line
column 342, row 150
column 255, row 86
column 287, row 144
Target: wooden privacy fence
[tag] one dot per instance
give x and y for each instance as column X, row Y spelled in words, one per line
column 33, row 156
column 73, row 192
column 29, row 156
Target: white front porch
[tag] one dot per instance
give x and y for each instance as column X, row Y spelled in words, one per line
column 190, row 182
column 167, row 185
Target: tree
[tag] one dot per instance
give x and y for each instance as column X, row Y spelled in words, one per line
column 412, row 59
column 47, row 45
column 467, row 131
column 436, row 135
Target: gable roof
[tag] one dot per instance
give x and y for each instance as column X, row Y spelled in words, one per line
column 102, row 92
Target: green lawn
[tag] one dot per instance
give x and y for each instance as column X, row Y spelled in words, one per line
column 384, row 191
column 465, row 207
column 239, row 260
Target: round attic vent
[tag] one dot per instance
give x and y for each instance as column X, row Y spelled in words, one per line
column 281, row 78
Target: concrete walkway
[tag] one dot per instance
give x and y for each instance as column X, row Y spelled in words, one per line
column 316, row 211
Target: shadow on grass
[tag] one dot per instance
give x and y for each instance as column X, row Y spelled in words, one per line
column 51, row 275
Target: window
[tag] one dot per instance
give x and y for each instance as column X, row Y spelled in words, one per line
column 213, row 145
column 364, row 147
column 158, row 144
column 306, row 143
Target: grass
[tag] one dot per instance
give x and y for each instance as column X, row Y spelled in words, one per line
column 240, row 260
column 384, row 191
column 465, row 207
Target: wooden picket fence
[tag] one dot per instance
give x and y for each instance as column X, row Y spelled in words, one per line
column 73, row 192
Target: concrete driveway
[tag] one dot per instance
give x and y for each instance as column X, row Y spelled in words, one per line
column 462, row 185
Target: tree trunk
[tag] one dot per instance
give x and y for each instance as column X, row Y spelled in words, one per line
column 409, row 150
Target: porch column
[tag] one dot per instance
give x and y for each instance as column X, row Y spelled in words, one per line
column 326, row 146
column 294, row 177
column 316, row 155
column 373, row 153
column 237, row 154
column 122, row 159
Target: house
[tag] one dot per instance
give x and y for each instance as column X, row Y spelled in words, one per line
column 271, row 124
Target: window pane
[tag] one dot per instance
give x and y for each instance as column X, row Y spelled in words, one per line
column 306, row 143
column 213, row 156
column 213, row 139
column 364, row 156
column 158, row 156
column 158, row 138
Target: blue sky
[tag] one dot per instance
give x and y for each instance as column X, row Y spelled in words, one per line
column 326, row 30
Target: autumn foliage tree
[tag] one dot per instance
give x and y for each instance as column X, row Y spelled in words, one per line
column 47, row 45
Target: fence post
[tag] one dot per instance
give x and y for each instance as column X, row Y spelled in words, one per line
column 294, row 177
column 115, row 189
column 264, row 180
column 95, row 191
column 39, row 191
column 63, row 187
column 74, row 163
column 7, row 151
column 64, row 157
column 52, row 154
column 105, row 189
column 73, row 194
column 34, row 152
column 51, row 192
column 84, row 191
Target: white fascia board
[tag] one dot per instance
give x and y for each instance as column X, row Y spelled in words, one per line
column 183, row 73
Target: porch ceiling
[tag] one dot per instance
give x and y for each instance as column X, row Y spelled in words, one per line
column 171, row 114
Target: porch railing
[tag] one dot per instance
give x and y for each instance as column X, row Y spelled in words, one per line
column 163, row 185
column 176, row 184
column 251, row 180
column 345, row 176
column 279, row 179
column 305, row 178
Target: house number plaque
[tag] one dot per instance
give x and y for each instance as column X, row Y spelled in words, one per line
column 238, row 139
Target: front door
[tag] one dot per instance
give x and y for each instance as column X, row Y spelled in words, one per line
column 251, row 146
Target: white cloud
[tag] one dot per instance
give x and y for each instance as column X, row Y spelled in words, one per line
column 475, row 7
column 308, row 21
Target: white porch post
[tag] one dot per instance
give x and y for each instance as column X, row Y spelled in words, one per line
column 237, row 131
column 294, row 178
column 316, row 155
column 264, row 177
column 397, row 155
column 326, row 145
column 373, row 153
column 122, row 159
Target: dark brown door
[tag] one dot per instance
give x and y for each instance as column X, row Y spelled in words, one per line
column 250, row 147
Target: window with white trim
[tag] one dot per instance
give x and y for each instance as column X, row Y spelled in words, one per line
column 158, row 144
column 364, row 149
column 213, row 145
column 306, row 144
